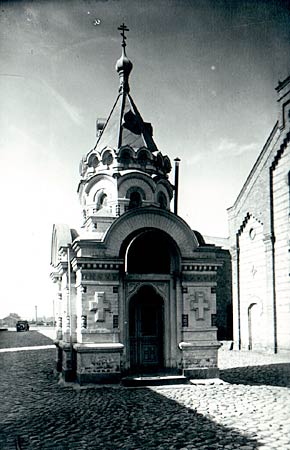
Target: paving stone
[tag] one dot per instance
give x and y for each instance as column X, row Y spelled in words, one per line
column 238, row 414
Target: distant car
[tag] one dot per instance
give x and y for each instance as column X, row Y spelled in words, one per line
column 22, row 325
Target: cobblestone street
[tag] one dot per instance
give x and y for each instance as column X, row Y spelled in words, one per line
column 250, row 409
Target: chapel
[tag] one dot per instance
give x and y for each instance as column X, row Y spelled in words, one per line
column 259, row 243
column 135, row 286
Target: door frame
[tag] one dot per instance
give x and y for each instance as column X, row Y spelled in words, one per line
column 163, row 286
column 136, row 304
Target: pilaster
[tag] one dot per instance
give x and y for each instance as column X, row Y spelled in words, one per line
column 270, row 303
column 199, row 346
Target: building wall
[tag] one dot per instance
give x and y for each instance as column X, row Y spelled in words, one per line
column 253, row 298
column 259, row 244
column 224, row 304
column 282, row 235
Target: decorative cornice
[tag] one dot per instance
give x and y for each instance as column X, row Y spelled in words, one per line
column 248, row 216
column 99, row 266
column 199, row 268
column 97, row 163
column 103, row 265
column 280, row 152
column 199, row 278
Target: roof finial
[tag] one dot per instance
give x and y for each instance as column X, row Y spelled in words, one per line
column 124, row 65
column 123, row 28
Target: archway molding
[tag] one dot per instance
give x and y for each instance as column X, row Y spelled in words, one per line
column 154, row 218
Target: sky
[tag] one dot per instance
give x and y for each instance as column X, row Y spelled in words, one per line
column 204, row 75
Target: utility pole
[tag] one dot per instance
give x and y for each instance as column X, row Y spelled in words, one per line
column 35, row 313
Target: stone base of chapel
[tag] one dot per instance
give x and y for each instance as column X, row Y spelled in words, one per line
column 201, row 373
column 98, row 363
column 199, row 359
column 92, row 363
column 89, row 363
column 65, row 360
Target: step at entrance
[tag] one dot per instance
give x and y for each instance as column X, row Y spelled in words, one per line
column 153, row 380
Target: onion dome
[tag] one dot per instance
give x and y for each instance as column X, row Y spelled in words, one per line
column 124, row 65
column 124, row 141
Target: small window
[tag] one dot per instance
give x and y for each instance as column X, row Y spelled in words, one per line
column 102, row 201
column 135, row 200
column 107, row 158
column 143, row 157
column 252, row 233
column 125, row 156
column 162, row 200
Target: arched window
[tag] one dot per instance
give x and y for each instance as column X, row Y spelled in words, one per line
column 159, row 160
column 107, row 158
column 143, row 156
column 101, row 201
column 125, row 156
column 136, row 195
column 135, row 200
column 162, row 200
column 167, row 164
column 93, row 160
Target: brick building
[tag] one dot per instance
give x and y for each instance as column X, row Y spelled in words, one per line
column 259, row 241
column 136, row 287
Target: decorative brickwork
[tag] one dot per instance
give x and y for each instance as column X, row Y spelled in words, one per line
column 138, row 281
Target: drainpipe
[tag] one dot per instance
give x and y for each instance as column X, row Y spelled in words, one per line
column 176, row 181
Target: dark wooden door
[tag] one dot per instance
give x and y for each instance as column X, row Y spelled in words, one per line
column 146, row 332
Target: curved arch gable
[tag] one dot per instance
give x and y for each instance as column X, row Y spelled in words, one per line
column 166, row 184
column 95, row 179
column 154, row 218
column 62, row 235
column 138, row 176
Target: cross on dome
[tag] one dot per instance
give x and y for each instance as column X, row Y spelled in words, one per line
column 123, row 28
column 124, row 65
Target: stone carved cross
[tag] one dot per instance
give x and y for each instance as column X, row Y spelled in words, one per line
column 99, row 306
column 199, row 304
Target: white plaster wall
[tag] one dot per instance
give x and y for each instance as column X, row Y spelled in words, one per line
column 253, row 283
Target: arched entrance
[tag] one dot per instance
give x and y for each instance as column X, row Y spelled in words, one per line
column 146, row 331
column 254, row 320
column 151, row 251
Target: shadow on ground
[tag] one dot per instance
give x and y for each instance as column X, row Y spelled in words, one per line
column 13, row 339
column 110, row 418
column 269, row 375
column 37, row 413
